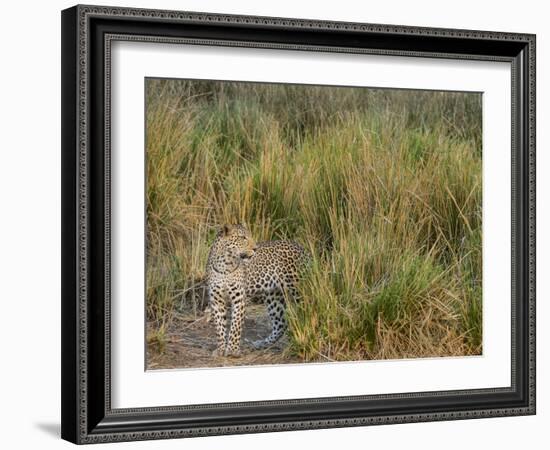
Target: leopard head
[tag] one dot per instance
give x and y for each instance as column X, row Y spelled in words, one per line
column 233, row 246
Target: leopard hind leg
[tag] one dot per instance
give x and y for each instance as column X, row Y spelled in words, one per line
column 276, row 311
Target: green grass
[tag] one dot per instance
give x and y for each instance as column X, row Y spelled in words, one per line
column 383, row 187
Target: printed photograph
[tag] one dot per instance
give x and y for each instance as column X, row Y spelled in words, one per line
column 297, row 224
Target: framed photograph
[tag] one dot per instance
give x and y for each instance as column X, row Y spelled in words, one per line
column 279, row 224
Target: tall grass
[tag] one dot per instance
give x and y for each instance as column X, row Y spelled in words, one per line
column 383, row 187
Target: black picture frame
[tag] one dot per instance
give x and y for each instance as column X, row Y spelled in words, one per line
column 87, row 416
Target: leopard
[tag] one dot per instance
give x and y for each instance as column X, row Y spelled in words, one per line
column 240, row 270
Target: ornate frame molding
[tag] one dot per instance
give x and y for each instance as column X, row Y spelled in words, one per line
column 78, row 425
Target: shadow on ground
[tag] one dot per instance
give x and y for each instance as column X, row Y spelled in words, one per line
column 52, row 429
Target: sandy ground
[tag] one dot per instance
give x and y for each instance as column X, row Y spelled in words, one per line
column 190, row 342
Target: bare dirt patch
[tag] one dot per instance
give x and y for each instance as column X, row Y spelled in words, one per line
column 190, row 342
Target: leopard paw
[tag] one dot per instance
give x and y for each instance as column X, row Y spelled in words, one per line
column 235, row 352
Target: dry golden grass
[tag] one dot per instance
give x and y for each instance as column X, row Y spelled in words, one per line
column 383, row 187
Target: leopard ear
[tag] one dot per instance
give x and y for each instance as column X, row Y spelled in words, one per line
column 225, row 229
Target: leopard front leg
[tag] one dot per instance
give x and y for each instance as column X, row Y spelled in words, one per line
column 233, row 347
column 219, row 315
